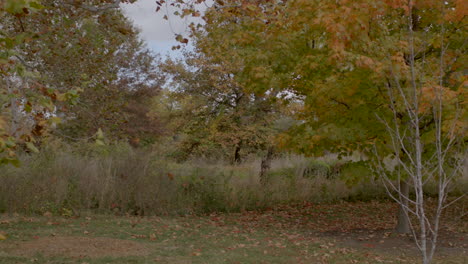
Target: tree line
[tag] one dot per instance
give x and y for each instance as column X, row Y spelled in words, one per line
column 383, row 78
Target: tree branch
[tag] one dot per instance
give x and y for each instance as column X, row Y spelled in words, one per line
column 341, row 103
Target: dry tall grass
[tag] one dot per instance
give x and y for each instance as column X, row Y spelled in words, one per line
column 124, row 180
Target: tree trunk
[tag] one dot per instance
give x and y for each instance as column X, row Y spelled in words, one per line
column 265, row 165
column 403, row 226
column 237, row 157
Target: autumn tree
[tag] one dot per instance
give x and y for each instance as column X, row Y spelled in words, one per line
column 428, row 143
column 381, row 77
column 214, row 115
column 89, row 47
column 22, row 97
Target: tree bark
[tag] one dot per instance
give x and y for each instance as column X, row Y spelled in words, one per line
column 237, row 157
column 403, row 226
column 266, row 165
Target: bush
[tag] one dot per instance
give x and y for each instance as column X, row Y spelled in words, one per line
column 316, row 168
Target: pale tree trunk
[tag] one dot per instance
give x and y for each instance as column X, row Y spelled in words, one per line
column 415, row 169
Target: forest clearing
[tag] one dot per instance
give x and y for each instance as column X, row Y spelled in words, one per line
column 204, row 213
column 272, row 131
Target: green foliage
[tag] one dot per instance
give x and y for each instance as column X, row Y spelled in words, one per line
column 9, row 44
column 337, row 60
column 21, row 7
column 208, row 189
column 110, row 64
column 211, row 114
column 354, row 172
column 70, row 67
column 285, row 173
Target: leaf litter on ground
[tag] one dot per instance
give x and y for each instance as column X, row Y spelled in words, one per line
column 302, row 233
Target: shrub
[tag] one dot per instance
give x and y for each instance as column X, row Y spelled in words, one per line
column 67, row 180
column 316, row 168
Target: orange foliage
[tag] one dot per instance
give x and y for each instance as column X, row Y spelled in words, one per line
column 404, row 4
column 459, row 12
column 432, row 94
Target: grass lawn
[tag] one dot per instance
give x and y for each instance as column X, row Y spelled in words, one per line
column 305, row 233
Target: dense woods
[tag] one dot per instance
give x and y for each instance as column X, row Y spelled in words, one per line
column 273, row 103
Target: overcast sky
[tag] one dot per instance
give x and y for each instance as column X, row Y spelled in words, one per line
column 158, row 33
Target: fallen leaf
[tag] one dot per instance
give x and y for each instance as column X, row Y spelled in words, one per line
column 139, row 236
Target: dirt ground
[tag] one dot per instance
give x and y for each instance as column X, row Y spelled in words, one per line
column 310, row 233
column 387, row 242
column 77, row 247
column 382, row 242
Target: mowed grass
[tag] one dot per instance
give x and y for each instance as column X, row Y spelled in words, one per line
column 290, row 234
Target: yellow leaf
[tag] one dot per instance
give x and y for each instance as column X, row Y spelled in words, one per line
column 2, row 237
column 100, row 142
column 32, row 147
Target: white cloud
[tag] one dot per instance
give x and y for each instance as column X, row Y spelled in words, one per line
column 158, row 33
